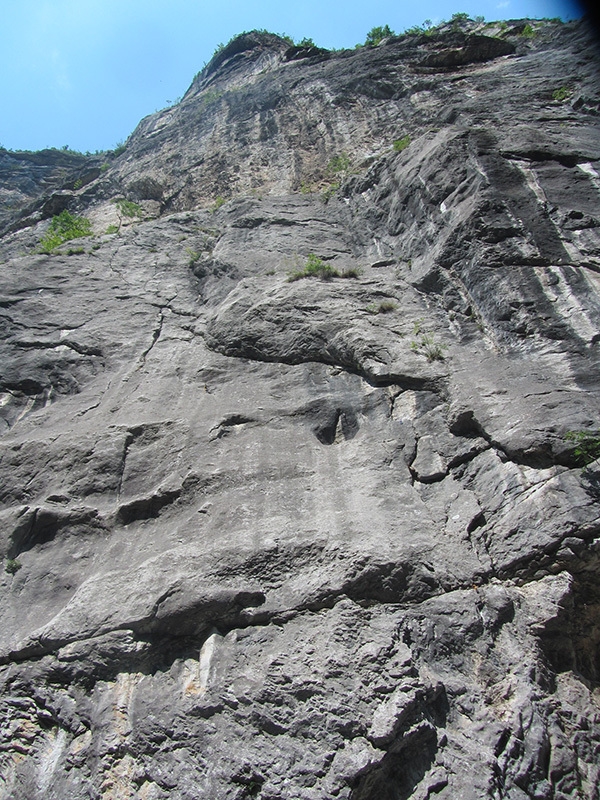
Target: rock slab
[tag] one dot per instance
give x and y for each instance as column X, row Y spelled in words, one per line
column 271, row 534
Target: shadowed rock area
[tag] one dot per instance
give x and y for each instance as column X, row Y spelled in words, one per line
column 292, row 495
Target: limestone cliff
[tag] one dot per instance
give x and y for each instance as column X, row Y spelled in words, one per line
column 298, row 491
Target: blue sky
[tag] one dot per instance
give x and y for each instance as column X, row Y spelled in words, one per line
column 84, row 72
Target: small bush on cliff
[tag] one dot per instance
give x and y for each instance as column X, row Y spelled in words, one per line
column 12, row 566
column 562, row 94
column 401, row 144
column 63, row 228
column 337, row 164
column 587, row 446
column 528, row 32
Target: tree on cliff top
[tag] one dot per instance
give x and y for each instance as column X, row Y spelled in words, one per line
column 376, row 35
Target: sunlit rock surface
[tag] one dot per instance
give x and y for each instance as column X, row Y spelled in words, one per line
column 310, row 539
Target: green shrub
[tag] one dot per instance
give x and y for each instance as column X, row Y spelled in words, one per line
column 401, row 144
column 528, row 31
column 328, row 193
column 306, row 42
column 63, row 228
column 587, row 445
column 378, row 34
column 562, row 94
column 119, row 148
column 112, row 229
column 338, row 164
column 427, row 28
column 210, row 97
column 12, row 566
column 315, row 268
column 220, row 201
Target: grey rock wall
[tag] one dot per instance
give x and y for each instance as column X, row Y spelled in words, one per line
column 312, row 538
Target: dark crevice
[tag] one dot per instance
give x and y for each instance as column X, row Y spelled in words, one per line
column 84, row 350
column 39, row 526
column 155, row 337
column 477, row 522
column 403, row 767
column 146, row 507
column 564, row 159
column 223, row 428
column 129, row 438
column 436, row 384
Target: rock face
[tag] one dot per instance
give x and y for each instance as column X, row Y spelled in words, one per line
column 323, row 537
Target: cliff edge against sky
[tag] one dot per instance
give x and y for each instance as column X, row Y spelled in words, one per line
column 298, row 490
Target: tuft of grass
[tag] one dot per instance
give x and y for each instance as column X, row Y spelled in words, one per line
column 112, row 229
column 528, row 32
column 426, row 345
column 351, row 272
column 401, row 144
column 315, row 268
column 384, row 307
column 194, row 256
column 64, row 227
column 12, row 566
column 220, row 201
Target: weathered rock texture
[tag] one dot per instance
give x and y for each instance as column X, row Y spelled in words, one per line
column 317, row 538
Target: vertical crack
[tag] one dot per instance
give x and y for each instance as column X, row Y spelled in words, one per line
column 129, row 438
column 155, row 337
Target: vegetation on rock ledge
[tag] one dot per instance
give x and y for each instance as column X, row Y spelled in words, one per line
column 64, row 227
